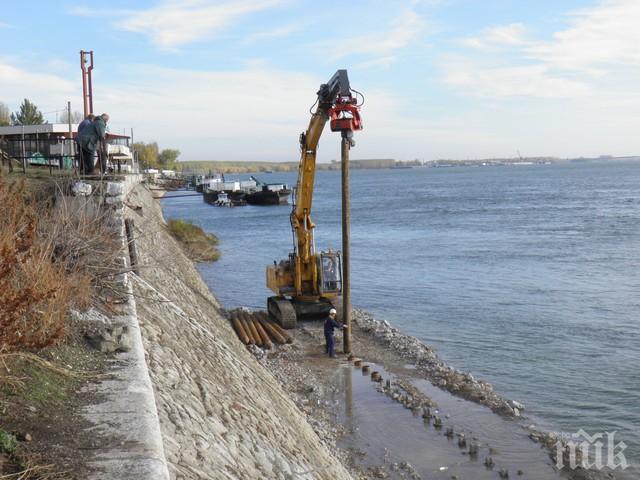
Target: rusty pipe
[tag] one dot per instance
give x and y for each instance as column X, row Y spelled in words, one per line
column 264, row 317
column 239, row 329
column 263, row 335
column 254, row 332
column 273, row 332
column 245, row 325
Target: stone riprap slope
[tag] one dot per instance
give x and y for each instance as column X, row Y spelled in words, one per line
column 222, row 414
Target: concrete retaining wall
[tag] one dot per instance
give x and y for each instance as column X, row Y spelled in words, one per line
column 125, row 421
column 222, row 414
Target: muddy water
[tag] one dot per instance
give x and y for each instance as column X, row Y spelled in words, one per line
column 387, row 432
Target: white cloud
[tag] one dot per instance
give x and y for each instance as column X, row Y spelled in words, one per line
column 381, row 45
column 179, row 22
column 17, row 83
column 607, row 34
column 173, row 23
column 509, row 35
column 279, row 32
column 384, row 62
column 4, row 25
column 499, row 81
column 597, row 54
column 235, row 115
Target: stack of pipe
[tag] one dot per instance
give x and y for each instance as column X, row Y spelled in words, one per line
column 258, row 329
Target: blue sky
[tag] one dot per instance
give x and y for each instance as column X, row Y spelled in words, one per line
column 442, row 78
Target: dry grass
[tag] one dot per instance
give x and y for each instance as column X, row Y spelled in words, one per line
column 35, row 472
column 35, row 293
column 51, row 259
column 198, row 245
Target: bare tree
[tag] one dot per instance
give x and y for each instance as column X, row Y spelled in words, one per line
column 5, row 115
column 76, row 117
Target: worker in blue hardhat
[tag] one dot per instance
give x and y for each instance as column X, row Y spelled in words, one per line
column 330, row 324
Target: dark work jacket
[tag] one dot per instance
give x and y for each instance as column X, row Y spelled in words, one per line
column 92, row 134
column 329, row 325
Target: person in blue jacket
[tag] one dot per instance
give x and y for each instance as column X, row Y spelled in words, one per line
column 329, row 324
column 85, row 123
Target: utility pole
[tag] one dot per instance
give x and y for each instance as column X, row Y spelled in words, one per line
column 346, row 219
column 24, row 154
column 70, row 140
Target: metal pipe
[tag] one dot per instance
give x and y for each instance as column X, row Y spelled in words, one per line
column 254, row 332
column 264, row 317
column 237, row 325
column 266, row 341
column 131, row 243
column 87, row 87
column 246, row 328
column 269, row 326
column 346, row 270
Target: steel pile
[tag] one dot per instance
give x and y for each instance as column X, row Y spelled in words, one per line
column 257, row 328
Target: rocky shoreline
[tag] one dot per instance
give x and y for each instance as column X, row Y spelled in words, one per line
column 464, row 385
column 435, row 369
column 309, row 391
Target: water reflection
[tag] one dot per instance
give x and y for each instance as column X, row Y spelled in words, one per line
column 390, row 434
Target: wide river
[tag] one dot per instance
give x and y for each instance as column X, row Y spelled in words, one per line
column 526, row 276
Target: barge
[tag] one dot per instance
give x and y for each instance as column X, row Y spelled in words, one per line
column 242, row 192
column 269, row 194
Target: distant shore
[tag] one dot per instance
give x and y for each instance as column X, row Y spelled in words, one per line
column 240, row 167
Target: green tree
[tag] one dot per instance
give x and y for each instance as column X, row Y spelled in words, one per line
column 5, row 118
column 168, row 157
column 28, row 114
column 147, row 154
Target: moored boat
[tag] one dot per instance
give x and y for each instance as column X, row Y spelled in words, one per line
column 269, row 195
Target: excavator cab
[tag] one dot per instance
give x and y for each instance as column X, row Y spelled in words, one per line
column 330, row 268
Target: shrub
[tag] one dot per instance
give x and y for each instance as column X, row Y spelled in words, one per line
column 8, row 442
column 199, row 245
column 40, row 277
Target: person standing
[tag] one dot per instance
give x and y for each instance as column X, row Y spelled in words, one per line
column 90, row 139
column 329, row 325
column 85, row 123
column 88, row 120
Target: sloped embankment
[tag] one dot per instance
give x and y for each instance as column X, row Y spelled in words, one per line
column 222, row 414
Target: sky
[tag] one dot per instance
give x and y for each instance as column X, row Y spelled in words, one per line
column 234, row 79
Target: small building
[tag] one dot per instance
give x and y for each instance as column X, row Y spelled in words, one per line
column 53, row 144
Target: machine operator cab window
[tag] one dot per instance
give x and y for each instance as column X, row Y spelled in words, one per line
column 331, row 271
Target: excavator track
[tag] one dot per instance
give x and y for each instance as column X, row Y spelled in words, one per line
column 283, row 311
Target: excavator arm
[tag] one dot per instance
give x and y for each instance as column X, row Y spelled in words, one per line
column 308, row 283
column 336, row 103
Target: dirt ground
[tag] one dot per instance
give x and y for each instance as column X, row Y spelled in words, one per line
column 40, row 404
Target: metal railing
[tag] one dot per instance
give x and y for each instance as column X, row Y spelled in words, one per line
column 51, row 153
column 55, row 154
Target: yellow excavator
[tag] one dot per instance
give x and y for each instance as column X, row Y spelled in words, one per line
column 308, row 283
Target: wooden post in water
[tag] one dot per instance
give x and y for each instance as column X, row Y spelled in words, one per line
column 346, row 271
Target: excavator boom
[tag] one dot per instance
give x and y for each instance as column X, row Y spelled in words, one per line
column 311, row 279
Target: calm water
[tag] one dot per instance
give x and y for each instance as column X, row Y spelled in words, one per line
column 528, row 277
